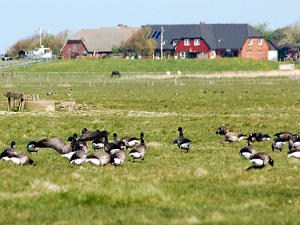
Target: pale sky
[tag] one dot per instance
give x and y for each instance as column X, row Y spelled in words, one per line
column 21, row 18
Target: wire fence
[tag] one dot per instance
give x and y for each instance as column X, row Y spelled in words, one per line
column 11, row 64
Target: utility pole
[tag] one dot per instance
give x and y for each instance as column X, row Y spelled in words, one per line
column 161, row 42
column 40, row 37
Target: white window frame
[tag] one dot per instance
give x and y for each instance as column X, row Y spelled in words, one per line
column 259, row 41
column 197, row 42
column 250, row 41
column 186, row 42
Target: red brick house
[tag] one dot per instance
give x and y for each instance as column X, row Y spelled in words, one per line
column 210, row 41
column 96, row 42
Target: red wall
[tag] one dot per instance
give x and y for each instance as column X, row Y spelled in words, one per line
column 199, row 48
column 257, row 51
column 68, row 50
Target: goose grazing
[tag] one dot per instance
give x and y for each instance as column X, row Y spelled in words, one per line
column 183, row 142
column 79, row 156
column 294, row 153
column 87, row 135
column 283, row 135
column 233, row 137
column 10, row 154
column 66, row 150
column 112, row 147
column 294, row 141
column 278, row 144
column 139, row 151
column 130, row 142
column 222, row 130
column 260, row 160
column 247, row 152
column 98, row 158
column 118, row 158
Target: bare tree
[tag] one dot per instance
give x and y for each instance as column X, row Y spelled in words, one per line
column 290, row 35
column 54, row 42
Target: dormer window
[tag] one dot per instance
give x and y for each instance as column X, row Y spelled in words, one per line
column 197, row 42
column 259, row 42
column 186, row 42
column 250, row 42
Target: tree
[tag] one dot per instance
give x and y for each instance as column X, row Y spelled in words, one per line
column 290, row 35
column 140, row 43
column 263, row 28
column 54, row 42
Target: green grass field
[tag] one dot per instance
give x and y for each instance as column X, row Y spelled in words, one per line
column 208, row 185
column 157, row 66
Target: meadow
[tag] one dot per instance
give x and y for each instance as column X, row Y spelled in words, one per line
column 186, row 66
column 208, row 185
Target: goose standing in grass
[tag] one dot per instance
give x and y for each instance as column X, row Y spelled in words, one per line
column 278, row 144
column 98, row 158
column 10, row 154
column 130, row 142
column 118, row 158
column 79, row 156
column 294, row 141
column 112, row 147
column 139, row 151
column 285, row 135
column 98, row 144
column 266, row 137
column 233, row 137
column 183, row 142
column 4, row 155
column 247, row 152
column 222, row 130
column 87, row 135
column 119, row 142
column 260, row 160
column 294, row 153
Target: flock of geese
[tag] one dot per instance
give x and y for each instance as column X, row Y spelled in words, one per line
column 261, row 159
column 76, row 151
column 115, row 152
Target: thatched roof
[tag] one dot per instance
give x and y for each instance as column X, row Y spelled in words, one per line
column 103, row 39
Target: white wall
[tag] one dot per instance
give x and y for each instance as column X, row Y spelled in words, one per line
column 272, row 55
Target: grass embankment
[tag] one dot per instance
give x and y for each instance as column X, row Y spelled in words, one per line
column 158, row 66
column 208, row 185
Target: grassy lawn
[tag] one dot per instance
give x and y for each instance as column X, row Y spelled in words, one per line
column 161, row 66
column 208, row 185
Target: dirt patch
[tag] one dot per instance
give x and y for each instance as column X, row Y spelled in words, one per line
column 230, row 74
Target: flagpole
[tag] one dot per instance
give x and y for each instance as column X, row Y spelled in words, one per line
column 40, row 37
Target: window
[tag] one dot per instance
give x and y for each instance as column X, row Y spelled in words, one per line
column 197, row 42
column 259, row 41
column 249, row 52
column 186, row 42
column 75, row 48
column 183, row 55
column 260, row 52
column 250, row 42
